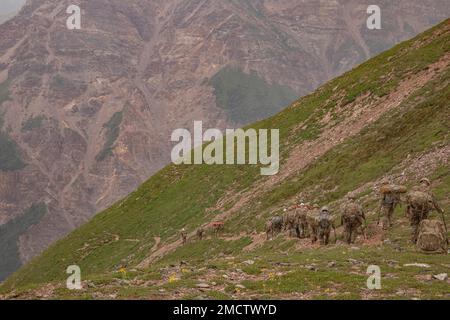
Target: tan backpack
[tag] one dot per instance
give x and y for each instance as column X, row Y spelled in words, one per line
column 352, row 213
column 432, row 237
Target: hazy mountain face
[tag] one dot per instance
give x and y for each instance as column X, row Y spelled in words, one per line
column 86, row 115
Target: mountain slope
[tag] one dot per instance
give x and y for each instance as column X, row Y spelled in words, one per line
column 387, row 117
column 87, row 114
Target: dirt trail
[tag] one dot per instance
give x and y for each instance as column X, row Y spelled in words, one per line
column 159, row 253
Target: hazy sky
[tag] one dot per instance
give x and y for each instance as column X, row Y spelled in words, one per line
column 8, row 6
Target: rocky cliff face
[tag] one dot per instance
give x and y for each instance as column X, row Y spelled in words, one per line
column 86, row 115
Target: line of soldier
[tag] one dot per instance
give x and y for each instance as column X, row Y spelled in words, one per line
column 200, row 233
column 301, row 222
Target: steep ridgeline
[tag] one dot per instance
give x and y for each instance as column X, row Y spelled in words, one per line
column 88, row 114
column 387, row 117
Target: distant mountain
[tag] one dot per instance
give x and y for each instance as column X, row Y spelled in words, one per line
column 87, row 115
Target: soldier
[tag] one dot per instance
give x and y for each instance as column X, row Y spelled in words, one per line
column 312, row 222
column 302, row 223
column 291, row 223
column 274, row 224
column 200, row 233
column 420, row 201
column 387, row 205
column 352, row 218
column 325, row 224
column 183, row 234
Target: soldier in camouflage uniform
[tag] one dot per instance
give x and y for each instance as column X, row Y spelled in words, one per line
column 418, row 213
column 183, row 235
column 325, row 225
column 352, row 219
column 302, row 223
column 274, row 224
column 291, row 223
column 387, row 207
column 200, row 233
column 321, row 225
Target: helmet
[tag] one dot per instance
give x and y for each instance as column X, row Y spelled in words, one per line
column 325, row 209
column 351, row 196
column 426, row 181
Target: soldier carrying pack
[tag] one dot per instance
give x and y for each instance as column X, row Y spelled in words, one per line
column 420, row 202
column 352, row 218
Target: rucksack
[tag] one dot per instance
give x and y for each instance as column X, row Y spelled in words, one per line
column 432, row 237
column 352, row 213
column 420, row 202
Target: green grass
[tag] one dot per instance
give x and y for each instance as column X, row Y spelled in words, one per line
column 187, row 196
column 112, row 133
column 247, row 97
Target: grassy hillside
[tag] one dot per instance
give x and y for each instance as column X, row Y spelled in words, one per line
column 388, row 117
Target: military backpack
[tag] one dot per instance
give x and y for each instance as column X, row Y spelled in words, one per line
column 432, row 237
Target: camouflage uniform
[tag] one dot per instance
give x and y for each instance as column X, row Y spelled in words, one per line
column 302, row 223
column 200, row 233
column 320, row 226
column 325, row 226
column 275, row 224
column 312, row 222
column 291, row 223
column 352, row 219
column 388, row 203
column 417, row 216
